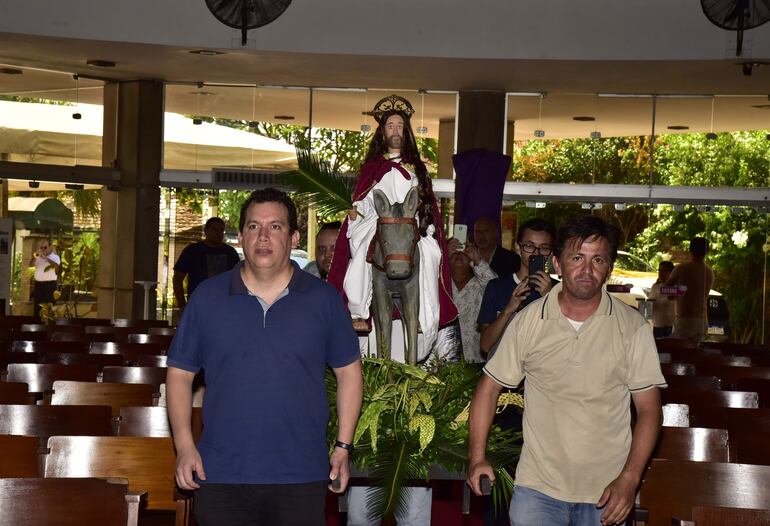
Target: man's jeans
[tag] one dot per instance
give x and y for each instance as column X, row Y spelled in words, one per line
column 532, row 508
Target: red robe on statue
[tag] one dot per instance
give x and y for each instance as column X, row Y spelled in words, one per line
column 370, row 175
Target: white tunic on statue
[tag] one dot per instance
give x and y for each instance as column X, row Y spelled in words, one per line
column 358, row 279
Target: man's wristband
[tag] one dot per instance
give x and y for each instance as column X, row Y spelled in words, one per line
column 343, row 445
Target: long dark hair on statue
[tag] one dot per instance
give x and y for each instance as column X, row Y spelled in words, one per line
column 410, row 155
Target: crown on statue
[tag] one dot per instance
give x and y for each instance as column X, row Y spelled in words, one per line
column 389, row 104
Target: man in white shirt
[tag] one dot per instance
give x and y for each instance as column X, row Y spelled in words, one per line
column 46, row 264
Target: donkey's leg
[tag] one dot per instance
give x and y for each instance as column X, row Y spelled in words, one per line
column 410, row 313
column 382, row 307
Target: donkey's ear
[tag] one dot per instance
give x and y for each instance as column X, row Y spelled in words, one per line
column 381, row 203
column 411, row 202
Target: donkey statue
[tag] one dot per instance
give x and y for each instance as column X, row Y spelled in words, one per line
column 395, row 271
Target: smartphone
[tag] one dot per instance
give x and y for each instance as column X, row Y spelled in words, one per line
column 461, row 234
column 536, row 263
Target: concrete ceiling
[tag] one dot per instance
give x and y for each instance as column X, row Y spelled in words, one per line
column 570, row 87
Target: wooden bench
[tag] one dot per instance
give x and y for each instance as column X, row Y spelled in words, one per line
column 130, row 351
column 150, row 360
column 147, row 462
column 44, row 421
column 761, row 386
column 7, row 357
column 67, row 502
column 749, row 431
column 709, row 398
column 15, row 393
column 153, row 422
column 20, row 456
column 109, row 394
column 139, row 324
column 153, row 339
column 40, row 377
column 719, row 516
column 672, row 487
column 731, row 375
column 693, row 382
column 43, row 347
column 692, row 443
column 79, row 358
column 135, row 375
column 677, row 369
column 82, row 337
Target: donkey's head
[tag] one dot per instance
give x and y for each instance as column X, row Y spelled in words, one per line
column 397, row 234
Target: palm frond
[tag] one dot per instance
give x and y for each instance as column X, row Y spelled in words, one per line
column 316, row 184
column 395, row 465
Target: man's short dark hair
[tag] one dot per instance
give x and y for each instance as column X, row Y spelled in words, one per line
column 537, row 225
column 699, row 246
column 334, row 225
column 270, row 195
column 213, row 220
column 668, row 265
column 583, row 228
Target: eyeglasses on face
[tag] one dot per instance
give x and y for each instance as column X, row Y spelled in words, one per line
column 530, row 248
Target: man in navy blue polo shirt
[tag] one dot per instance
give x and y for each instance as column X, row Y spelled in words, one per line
column 264, row 333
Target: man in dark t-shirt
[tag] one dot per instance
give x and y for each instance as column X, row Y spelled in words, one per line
column 203, row 260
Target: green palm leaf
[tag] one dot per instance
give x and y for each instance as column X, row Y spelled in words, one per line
column 394, row 466
column 316, row 184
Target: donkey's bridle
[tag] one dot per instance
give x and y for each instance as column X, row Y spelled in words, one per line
column 377, row 240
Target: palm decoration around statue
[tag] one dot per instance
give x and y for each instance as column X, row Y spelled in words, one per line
column 314, row 183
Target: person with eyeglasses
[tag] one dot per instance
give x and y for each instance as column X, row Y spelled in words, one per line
column 46, row 264
column 507, row 295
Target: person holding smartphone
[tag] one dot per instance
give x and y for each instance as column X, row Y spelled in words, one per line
column 507, row 295
column 46, row 264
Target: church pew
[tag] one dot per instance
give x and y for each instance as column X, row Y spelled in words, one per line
column 720, row 516
column 162, row 331
column 48, row 346
column 163, row 341
column 147, row 462
column 60, row 502
column 40, row 377
column 749, row 431
column 151, row 360
column 19, row 456
column 692, row 443
column 44, row 421
column 139, row 324
column 79, row 358
column 671, row 488
column 731, row 375
column 715, row 359
column 693, row 382
column 79, row 337
column 677, row 369
column 15, row 393
column 7, row 357
column 153, row 422
column 98, row 393
column 135, row 375
column 131, row 351
column 761, row 386
column 85, row 322
column 709, row 398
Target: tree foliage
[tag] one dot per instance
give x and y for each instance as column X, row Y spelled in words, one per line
column 736, row 236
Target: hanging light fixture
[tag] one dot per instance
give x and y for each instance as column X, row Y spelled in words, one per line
column 422, row 129
column 365, row 127
column 77, row 115
column 539, row 132
column 711, row 135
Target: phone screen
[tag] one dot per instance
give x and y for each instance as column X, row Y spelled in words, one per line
column 461, row 234
column 536, row 264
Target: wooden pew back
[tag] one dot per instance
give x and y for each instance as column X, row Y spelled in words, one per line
column 98, row 393
column 73, row 502
column 710, row 398
column 147, row 462
column 671, row 488
column 44, row 421
column 15, row 393
column 153, row 422
column 20, row 456
column 692, row 443
column 40, row 377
